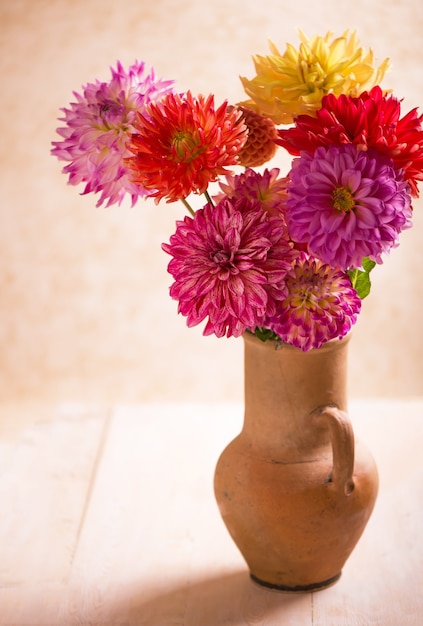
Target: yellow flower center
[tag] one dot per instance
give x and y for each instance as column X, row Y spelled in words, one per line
column 343, row 200
column 184, row 146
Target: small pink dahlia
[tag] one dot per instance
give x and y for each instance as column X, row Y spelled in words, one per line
column 229, row 262
column 321, row 304
column 347, row 204
column 97, row 128
column 265, row 187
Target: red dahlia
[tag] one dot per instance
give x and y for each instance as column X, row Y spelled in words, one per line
column 371, row 120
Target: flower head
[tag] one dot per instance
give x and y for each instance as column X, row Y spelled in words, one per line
column 347, row 204
column 228, row 263
column 294, row 83
column 260, row 146
column 266, row 187
column 97, row 128
column 184, row 143
column 321, row 304
column 371, row 120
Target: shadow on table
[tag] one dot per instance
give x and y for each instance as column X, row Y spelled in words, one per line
column 217, row 601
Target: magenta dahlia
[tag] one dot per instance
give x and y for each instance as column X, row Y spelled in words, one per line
column 347, row 204
column 97, row 128
column 321, row 304
column 229, row 262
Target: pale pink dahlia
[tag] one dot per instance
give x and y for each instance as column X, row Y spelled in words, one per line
column 228, row 263
column 321, row 305
column 347, row 204
column 97, row 128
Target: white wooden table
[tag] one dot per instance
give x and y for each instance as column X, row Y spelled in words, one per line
column 108, row 518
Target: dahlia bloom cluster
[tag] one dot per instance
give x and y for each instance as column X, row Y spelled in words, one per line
column 286, row 257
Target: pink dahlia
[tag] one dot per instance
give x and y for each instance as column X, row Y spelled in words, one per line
column 321, row 304
column 371, row 120
column 184, row 143
column 97, row 129
column 228, row 263
column 266, row 187
column 347, row 204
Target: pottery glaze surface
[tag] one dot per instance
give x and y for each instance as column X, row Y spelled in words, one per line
column 294, row 488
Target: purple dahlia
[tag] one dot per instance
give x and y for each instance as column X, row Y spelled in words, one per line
column 347, row 204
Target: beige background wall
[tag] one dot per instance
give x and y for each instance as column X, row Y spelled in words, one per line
column 84, row 306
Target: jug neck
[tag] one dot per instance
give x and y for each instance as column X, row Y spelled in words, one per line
column 284, row 387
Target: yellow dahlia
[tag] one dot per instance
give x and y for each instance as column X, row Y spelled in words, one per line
column 294, row 83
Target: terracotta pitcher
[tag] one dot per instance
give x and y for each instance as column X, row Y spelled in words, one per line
column 294, row 488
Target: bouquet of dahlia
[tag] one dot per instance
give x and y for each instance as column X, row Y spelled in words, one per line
column 282, row 256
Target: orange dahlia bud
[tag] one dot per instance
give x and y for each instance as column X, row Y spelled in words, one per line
column 260, row 146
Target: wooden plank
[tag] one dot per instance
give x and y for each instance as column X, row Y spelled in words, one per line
column 382, row 581
column 33, row 605
column 128, row 532
column 46, row 471
column 154, row 550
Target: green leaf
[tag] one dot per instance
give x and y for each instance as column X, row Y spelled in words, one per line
column 360, row 278
column 264, row 334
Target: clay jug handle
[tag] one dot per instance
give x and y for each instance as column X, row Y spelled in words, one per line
column 342, row 438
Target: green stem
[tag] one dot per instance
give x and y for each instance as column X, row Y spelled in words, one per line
column 188, row 206
column 208, row 198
